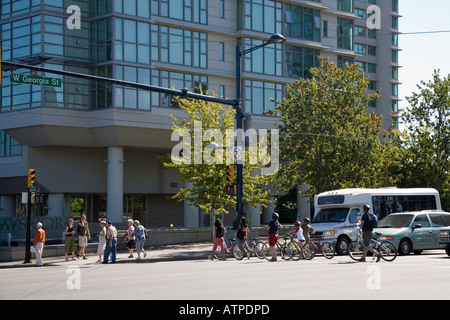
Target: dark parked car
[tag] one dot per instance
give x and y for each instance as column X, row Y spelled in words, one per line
column 445, row 239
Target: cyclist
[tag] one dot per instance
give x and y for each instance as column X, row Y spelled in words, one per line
column 273, row 234
column 367, row 231
column 307, row 230
column 299, row 231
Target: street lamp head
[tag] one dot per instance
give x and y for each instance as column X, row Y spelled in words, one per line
column 277, row 38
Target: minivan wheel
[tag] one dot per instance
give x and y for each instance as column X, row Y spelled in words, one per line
column 405, row 247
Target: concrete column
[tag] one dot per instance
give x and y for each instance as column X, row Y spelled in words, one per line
column 8, row 206
column 303, row 205
column 255, row 215
column 56, row 205
column 267, row 213
column 191, row 213
column 114, row 189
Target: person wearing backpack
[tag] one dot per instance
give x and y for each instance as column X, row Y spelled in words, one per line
column 219, row 232
column 241, row 235
column 368, row 222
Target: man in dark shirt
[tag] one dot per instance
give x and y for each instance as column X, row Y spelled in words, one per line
column 367, row 232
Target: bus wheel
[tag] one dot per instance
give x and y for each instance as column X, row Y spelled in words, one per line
column 342, row 246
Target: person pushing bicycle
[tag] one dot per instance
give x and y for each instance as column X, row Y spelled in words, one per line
column 367, row 232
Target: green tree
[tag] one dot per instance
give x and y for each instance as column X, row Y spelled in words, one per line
column 205, row 164
column 426, row 160
column 328, row 139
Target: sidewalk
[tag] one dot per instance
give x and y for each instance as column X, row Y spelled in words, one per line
column 175, row 252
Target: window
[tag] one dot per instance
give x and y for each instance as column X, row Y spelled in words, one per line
column 9, row 146
column 187, row 10
column 439, row 220
column 345, row 5
column 300, row 60
column 422, row 220
column 345, row 34
column 385, row 205
column 258, row 94
column 267, row 60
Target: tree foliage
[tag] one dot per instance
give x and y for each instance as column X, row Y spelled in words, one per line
column 207, row 178
column 426, row 139
column 328, row 139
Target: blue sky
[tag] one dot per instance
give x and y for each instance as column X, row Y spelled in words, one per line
column 422, row 53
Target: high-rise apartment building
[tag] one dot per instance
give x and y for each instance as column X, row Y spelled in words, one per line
column 95, row 146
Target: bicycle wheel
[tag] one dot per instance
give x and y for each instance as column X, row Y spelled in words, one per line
column 284, row 253
column 388, row 250
column 259, row 249
column 308, row 251
column 266, row 251
column 355, row 250
column 328, row 250
column 295, row 251
column 238, row 251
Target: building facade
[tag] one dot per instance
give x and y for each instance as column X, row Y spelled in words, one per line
column 96, row 146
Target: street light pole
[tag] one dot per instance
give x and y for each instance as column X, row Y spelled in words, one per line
column 276, row 38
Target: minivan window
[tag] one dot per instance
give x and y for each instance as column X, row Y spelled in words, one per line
column 331, row 215
column 439, row 220
column 422, row 220
column 396, row 221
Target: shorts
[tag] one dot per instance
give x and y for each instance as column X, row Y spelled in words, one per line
column 130, row 244
column 367, row 237
column 82, row 241
column 273, row 238
column 140, row 245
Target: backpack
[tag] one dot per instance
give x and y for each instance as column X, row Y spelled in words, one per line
column 240, row 234
column 373, row 220
column 220, row 232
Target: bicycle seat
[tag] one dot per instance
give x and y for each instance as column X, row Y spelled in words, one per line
column 378, row 234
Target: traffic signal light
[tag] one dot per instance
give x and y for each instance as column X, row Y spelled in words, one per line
column 31, row 178
column 232, row 190
column 230, row 174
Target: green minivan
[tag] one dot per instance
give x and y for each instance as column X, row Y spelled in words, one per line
column 414, row 231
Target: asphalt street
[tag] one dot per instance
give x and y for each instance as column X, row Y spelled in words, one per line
column 185, row 273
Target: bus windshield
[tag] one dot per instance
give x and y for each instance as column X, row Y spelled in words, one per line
column 331, row 215
column 396, row 221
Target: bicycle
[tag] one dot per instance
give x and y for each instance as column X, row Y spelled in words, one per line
column 385, row 248
column 288, row 250
column 256, row 248
column 311, row 248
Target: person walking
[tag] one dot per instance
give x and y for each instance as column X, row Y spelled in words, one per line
column 101, row 241
column 83, row 236
column 130, row 237
column 111, row 243
column 218, row 234
column 69, row 242
column 139, row 234
column 367, row 233
column 39, row 241
column 273, row 227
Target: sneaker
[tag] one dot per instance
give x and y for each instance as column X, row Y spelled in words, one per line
column 84, row 258
column 273, row 259
column 145, row 254
column 224, row 259
column 138, row 258
column 67, row 259
column 378, row 257
column 130, row 256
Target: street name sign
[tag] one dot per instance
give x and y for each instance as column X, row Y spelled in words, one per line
column 35, row 80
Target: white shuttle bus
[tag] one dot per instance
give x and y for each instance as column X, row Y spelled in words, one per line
column 337, row 213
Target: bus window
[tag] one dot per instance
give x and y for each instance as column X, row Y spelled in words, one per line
column 353, row 217
column 385, row 205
